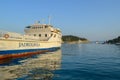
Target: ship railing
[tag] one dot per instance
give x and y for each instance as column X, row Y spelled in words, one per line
column 6, row 34
column 27, row 37
column 13, row 35
column 17, row 36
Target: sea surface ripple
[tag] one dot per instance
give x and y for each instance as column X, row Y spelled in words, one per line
column 72, row 62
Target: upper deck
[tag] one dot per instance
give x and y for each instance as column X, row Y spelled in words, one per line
column 38, row 28
column 37, row 31
column 43, row 31
column 16, row 36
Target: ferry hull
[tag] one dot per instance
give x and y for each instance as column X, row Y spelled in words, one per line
column 24, row 53
column 18, row 48
column 38, row 38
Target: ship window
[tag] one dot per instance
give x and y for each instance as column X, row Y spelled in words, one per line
column 28, row 27
column 51, row 34
column 34, row 34
column 46, row 26
column 45, row 35
column 55, row 35
column 39, row 35
column 33, row 27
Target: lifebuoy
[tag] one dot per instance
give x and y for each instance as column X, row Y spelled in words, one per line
column 6, row 36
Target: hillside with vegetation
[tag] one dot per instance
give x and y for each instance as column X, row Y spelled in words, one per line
column 114, row 41
column 71, row 38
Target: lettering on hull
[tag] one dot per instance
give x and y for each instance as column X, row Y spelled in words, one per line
column 29, row 44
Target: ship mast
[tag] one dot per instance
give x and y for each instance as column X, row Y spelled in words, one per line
column 43, row 21
column 49, row 18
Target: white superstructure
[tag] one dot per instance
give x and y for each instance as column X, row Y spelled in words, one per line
column 44, row 32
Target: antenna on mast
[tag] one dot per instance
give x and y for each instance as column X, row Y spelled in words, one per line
column 49, row 18
column 43, row 21
column 36, row 22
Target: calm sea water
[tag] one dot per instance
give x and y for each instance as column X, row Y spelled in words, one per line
column 71, row 62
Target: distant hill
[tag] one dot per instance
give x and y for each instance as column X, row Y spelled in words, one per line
column 71, row 38
column 114, row 41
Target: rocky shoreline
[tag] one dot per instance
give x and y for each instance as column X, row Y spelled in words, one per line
column 70, row 39
column 113, row 41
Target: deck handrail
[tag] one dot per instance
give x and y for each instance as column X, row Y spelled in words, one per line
column 13, row 35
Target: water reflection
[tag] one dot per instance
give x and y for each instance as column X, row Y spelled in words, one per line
column 41, row 67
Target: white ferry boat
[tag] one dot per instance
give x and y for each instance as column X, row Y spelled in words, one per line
column 37, row 38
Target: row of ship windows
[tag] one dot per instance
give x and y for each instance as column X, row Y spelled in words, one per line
column 46, row 35
column 39, row 27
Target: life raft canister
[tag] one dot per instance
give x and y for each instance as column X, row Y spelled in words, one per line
column 6, row 36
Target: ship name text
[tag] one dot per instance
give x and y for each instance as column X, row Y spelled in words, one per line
column 29, row 44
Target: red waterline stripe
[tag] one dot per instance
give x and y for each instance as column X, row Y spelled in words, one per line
column 8, row 56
